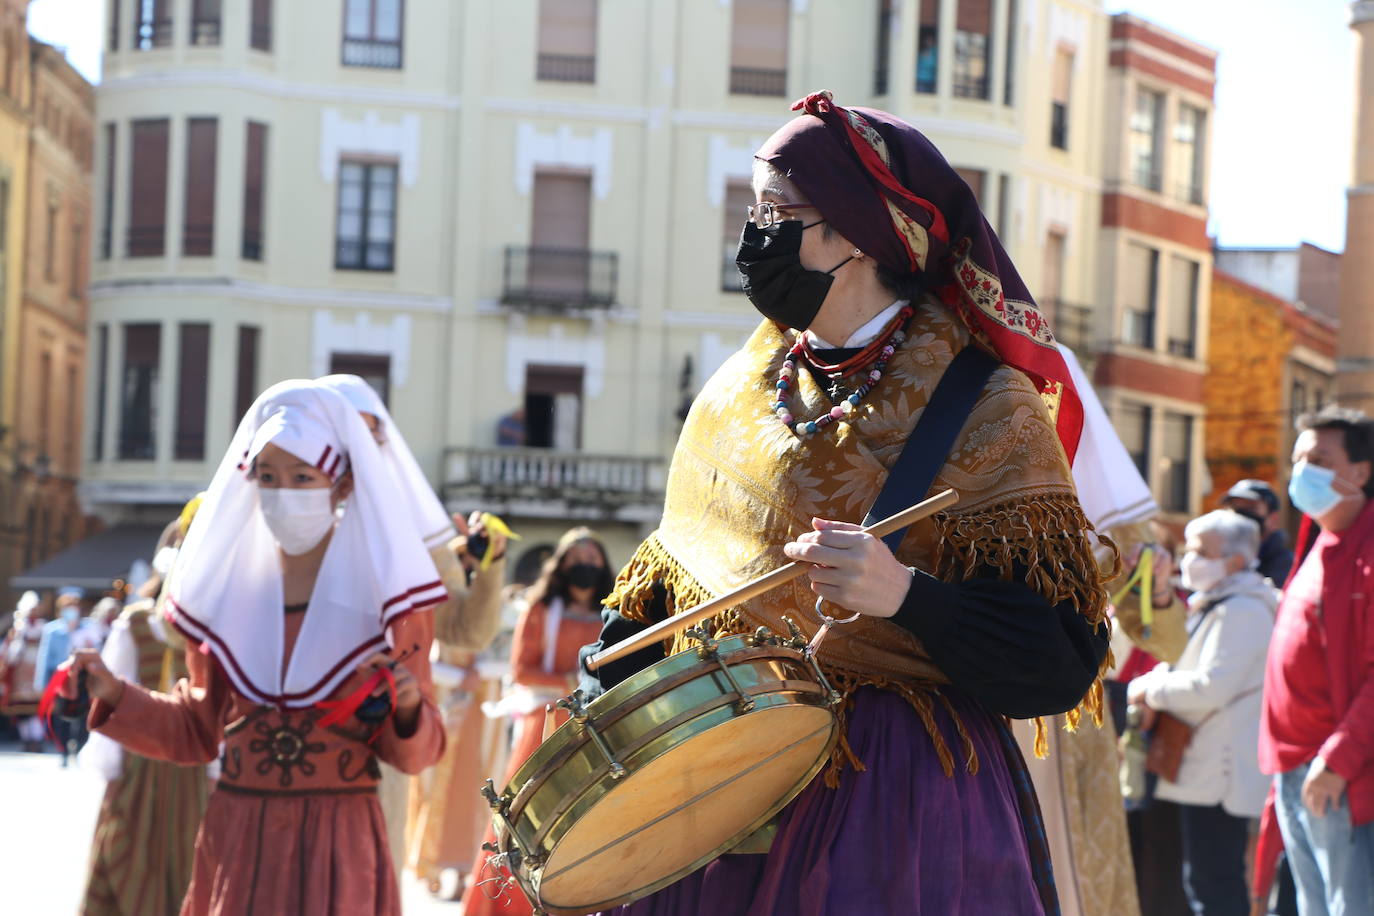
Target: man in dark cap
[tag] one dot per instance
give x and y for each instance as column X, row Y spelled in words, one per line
column 1255, row 499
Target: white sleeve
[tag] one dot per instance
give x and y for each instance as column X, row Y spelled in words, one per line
column 120, row 653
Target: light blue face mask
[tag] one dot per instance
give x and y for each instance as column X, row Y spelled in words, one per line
column 1312, row 490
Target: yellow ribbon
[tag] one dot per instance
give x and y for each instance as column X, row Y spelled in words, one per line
column 1144, row 576
column 495, row 525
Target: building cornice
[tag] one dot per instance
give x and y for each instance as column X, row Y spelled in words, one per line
column 1164, row 57
column 741, row 321
column 181, row 288
column 1062, row 176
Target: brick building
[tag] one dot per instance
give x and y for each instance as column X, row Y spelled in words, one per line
column 1270, row 360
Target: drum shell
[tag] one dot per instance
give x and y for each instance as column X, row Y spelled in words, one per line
column 659, row 711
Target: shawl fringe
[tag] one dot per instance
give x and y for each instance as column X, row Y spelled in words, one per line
column 1046, row 537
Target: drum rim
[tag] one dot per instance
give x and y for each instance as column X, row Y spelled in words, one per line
column 615, row 700
column 567, row 738
column 640, row 893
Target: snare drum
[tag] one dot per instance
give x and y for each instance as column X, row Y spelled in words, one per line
column 664, row 772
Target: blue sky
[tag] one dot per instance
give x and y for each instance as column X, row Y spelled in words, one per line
column 1281, row 149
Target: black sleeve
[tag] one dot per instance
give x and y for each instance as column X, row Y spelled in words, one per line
column 1003, row 643
column 614, row 628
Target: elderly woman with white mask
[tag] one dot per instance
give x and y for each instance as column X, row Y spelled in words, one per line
column 1215, row 688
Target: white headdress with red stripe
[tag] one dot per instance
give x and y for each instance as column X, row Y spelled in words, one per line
column 431, row 518
column 226, row 591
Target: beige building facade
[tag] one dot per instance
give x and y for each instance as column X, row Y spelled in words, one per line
column 51, row 358
column 14, row 171
column 530, row 206
column 1356, row 358
column 46, row 111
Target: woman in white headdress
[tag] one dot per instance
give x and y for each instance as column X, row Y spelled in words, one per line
column 464, row 625
column 299, row 620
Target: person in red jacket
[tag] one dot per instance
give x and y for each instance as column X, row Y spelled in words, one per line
column 1317, row 726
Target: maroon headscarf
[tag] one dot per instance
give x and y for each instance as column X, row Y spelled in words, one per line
column 887, row 189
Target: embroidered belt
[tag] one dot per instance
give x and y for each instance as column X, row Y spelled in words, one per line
column 235, row 789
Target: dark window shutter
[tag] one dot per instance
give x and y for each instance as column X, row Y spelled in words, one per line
column 253, row 176
column 148, row 189
column 198, row 230
column 260, row 30
column 193, row 378
column 246, row 384
column 138, row 391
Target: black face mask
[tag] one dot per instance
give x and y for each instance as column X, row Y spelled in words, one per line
column 1252, row 516
column 772, row 276
column 585, row 575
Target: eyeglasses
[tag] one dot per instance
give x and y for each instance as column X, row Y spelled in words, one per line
column 768, row 214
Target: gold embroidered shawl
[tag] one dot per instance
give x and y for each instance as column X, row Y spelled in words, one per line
column 741, row 485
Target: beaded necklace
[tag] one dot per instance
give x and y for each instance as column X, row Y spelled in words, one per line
column 876, row 354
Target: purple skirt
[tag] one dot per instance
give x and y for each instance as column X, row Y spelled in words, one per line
column 898, row 838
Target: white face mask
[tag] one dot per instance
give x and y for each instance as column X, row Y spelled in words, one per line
column 298, row 519
column 1201, row 573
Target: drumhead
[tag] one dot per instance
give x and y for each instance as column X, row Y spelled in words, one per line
column 685, row 807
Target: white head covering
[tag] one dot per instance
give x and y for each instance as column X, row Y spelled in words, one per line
column 1110, row 488
column 226, row 588
column 431, row 518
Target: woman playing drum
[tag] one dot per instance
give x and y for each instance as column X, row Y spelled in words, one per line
column 874, row 266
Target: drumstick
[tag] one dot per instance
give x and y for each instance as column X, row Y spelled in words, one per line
column 550, row 721
column 755, row 587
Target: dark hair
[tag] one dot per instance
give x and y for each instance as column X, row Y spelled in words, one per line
column 900, row 284
column 552, row 583
column 1357, row 432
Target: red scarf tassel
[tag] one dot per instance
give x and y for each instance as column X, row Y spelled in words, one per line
column 340, row 711
column 50, row 694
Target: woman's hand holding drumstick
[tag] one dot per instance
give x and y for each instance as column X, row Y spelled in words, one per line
column 852, row 568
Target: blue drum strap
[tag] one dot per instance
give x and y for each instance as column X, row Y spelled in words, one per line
column 931, row 440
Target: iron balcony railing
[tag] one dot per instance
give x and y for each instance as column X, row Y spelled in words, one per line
column 559, row 278
column 545, row 474
column 145, row 241
column 1182, row 346
column 1072, row 324
column 152, row 33
column 198, row 239
column 252, row 244
column 356, row 254
column 1146, row 176
column 730, row 279
column 205, row 32
column 1138, row 328
column 372, row 52
column 757, row 81
column 567, row 68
